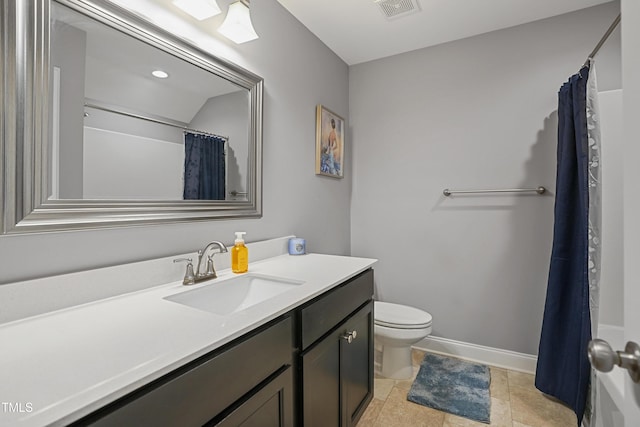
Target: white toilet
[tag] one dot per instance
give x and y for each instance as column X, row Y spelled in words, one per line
column 397, row 327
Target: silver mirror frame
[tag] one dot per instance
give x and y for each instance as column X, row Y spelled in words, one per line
column 24, row 90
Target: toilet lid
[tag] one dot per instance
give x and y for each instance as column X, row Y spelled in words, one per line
column 400, row 316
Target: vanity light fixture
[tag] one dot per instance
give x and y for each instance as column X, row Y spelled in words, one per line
column 237, row 26
column 160, row 74
column 199, row 9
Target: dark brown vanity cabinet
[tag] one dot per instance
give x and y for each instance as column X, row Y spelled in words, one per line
column 310, row 367
column 246, row 383
column 336, row 362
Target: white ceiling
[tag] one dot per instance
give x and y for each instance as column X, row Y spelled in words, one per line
column 357, row 31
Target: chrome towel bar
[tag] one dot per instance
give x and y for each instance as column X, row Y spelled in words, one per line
column 539, row 190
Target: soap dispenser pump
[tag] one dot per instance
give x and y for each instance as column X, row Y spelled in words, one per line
column 239, row 254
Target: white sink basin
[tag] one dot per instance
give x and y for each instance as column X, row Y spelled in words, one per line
column 233, row 295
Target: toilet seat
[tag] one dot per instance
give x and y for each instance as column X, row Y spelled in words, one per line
column 400, row 316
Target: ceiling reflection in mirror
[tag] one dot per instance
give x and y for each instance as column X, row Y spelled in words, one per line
column 118, row 132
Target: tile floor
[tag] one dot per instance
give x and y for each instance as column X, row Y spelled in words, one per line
column 515, row 402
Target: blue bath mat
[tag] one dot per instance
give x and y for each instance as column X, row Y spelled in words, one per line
column 454, row 386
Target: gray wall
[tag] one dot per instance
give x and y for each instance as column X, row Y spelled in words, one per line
column 474, row 113
column 68, row 54
column 299, row 72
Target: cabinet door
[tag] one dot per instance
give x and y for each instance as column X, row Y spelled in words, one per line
column 356, row 365
column 271, row 406
column 321, row 383
column 337, row 376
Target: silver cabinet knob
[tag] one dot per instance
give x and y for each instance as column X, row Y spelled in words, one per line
column 603, row 358
column 349, row 336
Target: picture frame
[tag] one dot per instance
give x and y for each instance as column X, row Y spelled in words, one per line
column 330, row 142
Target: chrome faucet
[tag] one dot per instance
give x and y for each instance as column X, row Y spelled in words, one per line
column 211, row 272
column 190, row 277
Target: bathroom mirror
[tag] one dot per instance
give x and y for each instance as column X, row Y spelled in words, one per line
column 108, row 121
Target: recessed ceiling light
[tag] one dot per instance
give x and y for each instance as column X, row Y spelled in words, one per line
column 199, row 9
column 160, row 74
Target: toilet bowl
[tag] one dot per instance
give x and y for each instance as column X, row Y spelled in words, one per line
column 396, row 328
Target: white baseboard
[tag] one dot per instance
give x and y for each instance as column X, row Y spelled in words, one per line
column 477, row 353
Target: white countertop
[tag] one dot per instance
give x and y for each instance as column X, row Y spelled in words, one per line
column 57, row 367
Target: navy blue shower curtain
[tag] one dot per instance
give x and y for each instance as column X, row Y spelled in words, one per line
column 204, row 167
column 563, row 367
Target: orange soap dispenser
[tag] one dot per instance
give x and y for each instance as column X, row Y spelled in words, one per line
column 239, row 254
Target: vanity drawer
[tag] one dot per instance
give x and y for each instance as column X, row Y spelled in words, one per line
column 198, row 392
column 321, row 315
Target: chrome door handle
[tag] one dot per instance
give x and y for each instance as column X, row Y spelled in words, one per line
column 603, row 358
column 350, row 336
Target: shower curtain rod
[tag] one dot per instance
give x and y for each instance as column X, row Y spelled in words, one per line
column 603, row 40
column 151, row 119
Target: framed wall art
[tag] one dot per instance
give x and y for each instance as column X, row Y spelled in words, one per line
column 329, row 143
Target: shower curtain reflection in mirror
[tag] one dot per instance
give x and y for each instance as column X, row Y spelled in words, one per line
column 204, row 167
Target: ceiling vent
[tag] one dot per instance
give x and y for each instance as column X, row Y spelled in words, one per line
column 392, row 9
